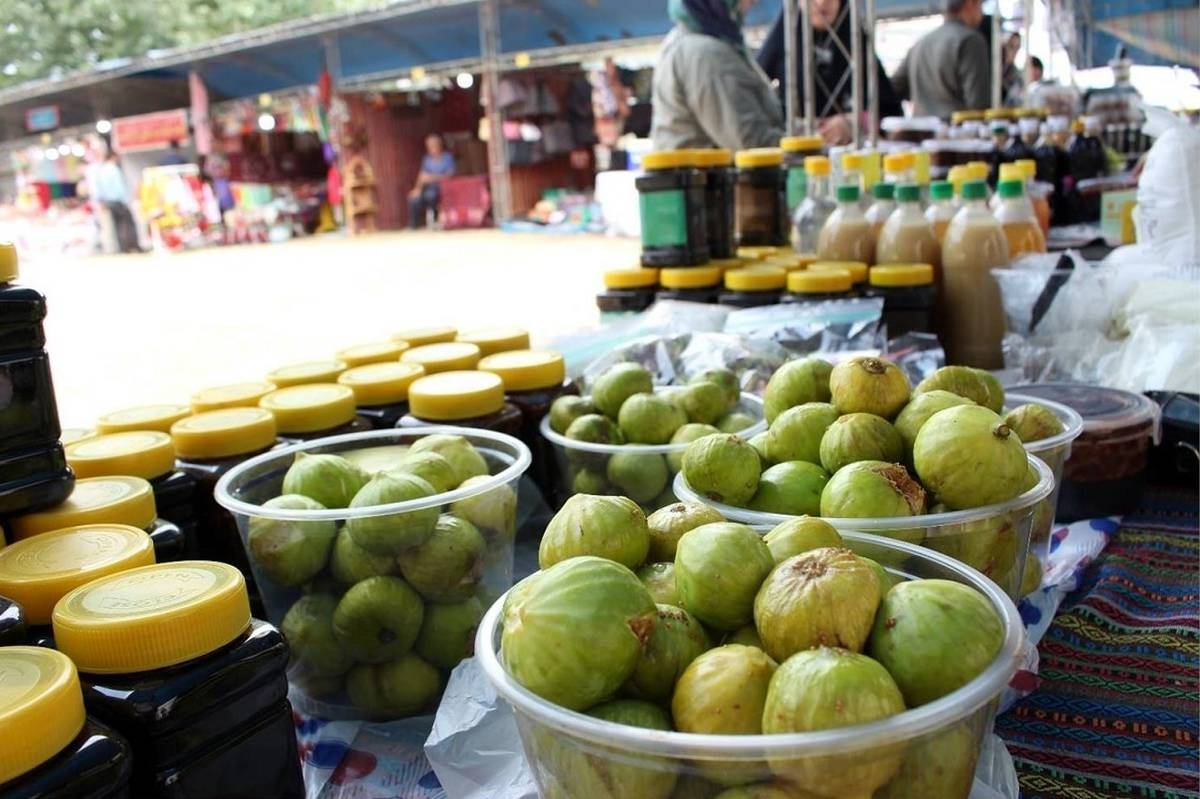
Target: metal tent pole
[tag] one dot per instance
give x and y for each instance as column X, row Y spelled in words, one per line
column 810, row 84
column 856, row 81
column 997, row 59
column 872, row 77
column 1028, row 28
column 791, row 88
column 498, row 177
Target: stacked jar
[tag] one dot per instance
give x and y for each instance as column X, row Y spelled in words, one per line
column 761, row 199
column 718, row 201
column 753, row 287
column 810, row 287
column 695, row 284
column 909, row 297
column 671, row 202
column 374, row 352
column 314, row 410
column 381, row 391
column 626, row 292
column 463, row 398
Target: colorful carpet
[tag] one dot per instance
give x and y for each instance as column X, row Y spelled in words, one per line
column 1116, row 712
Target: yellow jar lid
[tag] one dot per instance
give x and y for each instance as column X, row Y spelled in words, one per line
column 689, row 277
column 793, row 144
column 959, row 117
column 450, row 356
column 630, row 278
column 116, row 499
column 41, row 705
column 707, row 159
column 526, row 370
column 997, row 113
column 817, row 166
column 497, row 339
column 758, row 157
column 70, row 435
column 224, row 433
column 852, row 161
column 668, row 159
column 756, row 253
column 856, row 269
column 1011, row 172
column 152, row 617
column 9, row 270
column 235, row 395
column 451, row 396
column 902, row 275
column 299, row 374
column 381, row 383
column 143, row 417
column 819, row 282
column 39, row 571
column 756, row 278
column 420, row 336
column 311, row 407
column 896, row 162
column 375, row 352
column 790, row 262
column 141, row 453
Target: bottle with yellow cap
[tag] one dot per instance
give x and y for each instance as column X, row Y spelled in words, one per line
column 169, row 656
column 815, row 208
column 54, row 749
column 760, row 198
column 467, row 399
column 970, row 314
column 717, row 166
column 909, row 297
column 35, row 473
column 1018, row 220
column 796, row 151
column 381, row 390
column 846, row 234
column 753, row 286
column 907, row 236
column 813, row 286
column 315, row 410
column 671, row 207
column 941, row 208
column 626, row 292
column 695, row 284
column 899, row 168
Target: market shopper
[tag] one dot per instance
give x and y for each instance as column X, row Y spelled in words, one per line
column 948, row 69
column 708, row 91
column 426, row 195
column 113, row 194
column 832, row 82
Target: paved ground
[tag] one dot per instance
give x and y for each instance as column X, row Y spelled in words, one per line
column 127, row 330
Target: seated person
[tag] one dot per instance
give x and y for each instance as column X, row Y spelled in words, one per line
column 427, row 194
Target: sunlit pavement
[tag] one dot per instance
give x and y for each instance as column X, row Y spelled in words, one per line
column 127, row 330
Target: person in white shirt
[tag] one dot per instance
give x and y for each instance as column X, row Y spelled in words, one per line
column 113, row 194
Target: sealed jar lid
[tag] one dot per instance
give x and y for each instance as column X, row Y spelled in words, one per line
column 223, row 433
column 450, row 356
column 234, row 395
column 801, row 144
column 41, row 705
column 9, row 270
column 817, row 166
column 116, row 499
column 375, row 352
column 856, row 269
column 299, row 374
column 1106, row 412
column 756, row 253
column 898, row 162
column 941, row 189
column 152, row 617
column 1010, row 172
column 758, row 157
column 668, row 159
column 725, row 264
column 39, row 571
column 902, row 275
column 451, row 396
column 974, row 190
column 977, row 170
column 630, row 278
column 959, row 117
column 70, row 435
column 829, row 281
column 309, row 408
column 497, row 339
column 689, row 277
column 381, row 383
column 708, row 159
column 756, row 278
column 143, row 417
column 420, row 336
column 141, row 453
column 526, row 370
column 789, row 262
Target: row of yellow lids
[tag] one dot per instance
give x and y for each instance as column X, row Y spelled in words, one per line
column 814, row 277
column 743, row 159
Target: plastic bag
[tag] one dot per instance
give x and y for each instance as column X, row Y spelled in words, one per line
column 1167, row 214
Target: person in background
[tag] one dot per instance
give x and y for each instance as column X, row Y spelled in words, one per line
column 1012, row 80
column 113, row 194
column 610, row 103
column 708, row 91
column 832, row 82
column 948, row 69
column 173, row 156
column 426, row 195
column 1036, row 69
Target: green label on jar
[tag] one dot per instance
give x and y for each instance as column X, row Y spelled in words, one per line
column 664, row 218
column 796, row 184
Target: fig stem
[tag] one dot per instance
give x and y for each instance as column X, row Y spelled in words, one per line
column 874, row 366
column 1001, row 431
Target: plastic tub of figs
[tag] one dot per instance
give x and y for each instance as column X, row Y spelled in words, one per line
column 898, row 716
column 376, row 554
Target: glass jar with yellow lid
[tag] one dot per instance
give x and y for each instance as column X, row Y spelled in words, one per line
column 695, row 284
column 299, row 374
column 448, row 356
column 717, row 166
column 791, row 261
column 313, row 410
column 150, row 455
column 374, row 352
column 671, row 208
column 467, row 399
column 909, row 297
column 420, row 336
column 753, row 286
column 811, row 286
column 858, row 271
column 169, row 656
column 491, row 340
column 233, row 395
column 760, row 198
column 795, row 150
column 142, row 417
column 758, row 253
column 63, row 753
column 626, row 292
column 111, row 499
column 381, row 391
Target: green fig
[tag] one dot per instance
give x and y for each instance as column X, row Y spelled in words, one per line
column 872, row 490
column 494, row 512
column 649, row 419
column 398, row 688
column 941, row 765
column 466, row 461
column 792, row 488
column 735, row 422
column 995, row 401
column 722, row 692
column 796, row 434
column 759, row 442
column 718, row 569
column 392, row 533
column 969, row 458
column 677, row 640
column 378, row 619
column 618, row 383
column 659, row 579
column 727, row 380
column 607, row 527
column 290, row 552
column 795, row 536
column 961, row 380
column 566, row 409
column 795, row 383
column 447, row 566
column 869, row 385
column 746, row 636
column 331, row 480
column 916, row 413
column 860, row 437
column 703, row 402
column 722, row 467
column 351, row 564
column 430, row 467
column 668, row 524
column 1032, row 422
column 308, row 628
column 641, row 476
column 686, row 435
column 448, row 632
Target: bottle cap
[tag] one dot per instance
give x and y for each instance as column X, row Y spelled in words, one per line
column 311, row 407
column 41, row 704
column 816, row 165
column 141, row 453
column 452, row 396
column 856, row 269
column 759, row 157
column 794, row 144
column 497, row 339
column 526, row 370
column 668, row 159
column 884, row 191
column 852, row 162
column 974, row 190
column 902, row 275
column 420, row 336
column 908, row 193
column 299, row 374
column 756, row 278
column 116, row 499
column 819, row 282
column 1009, row 189
column 375, row 352
column 689, row 277
column 235, row 395
column 223, row 433
column 381, row 383
column 847, row 194
column 710, row 159
column 448, row 356
column 630, row 278
column 143, row 417
column 9, row 270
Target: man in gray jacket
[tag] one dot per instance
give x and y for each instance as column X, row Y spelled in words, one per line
column 949, row 69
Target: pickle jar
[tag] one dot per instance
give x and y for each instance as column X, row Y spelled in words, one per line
column 420, row 336
column 496, row 339
column 313, row 410
column 809, row 286
column 753, row 286
column 169, row 656
column 627, row 291
column 447, row 356
column 467, row 399
column 693, row 284
column 717, row 166
column 381, row 390
column 234, row 395
column 760, row 199
column 374, row 352
column 909, row 297
column 142, row 417
column 300, row 374
column 795, row 150
column 671, row 207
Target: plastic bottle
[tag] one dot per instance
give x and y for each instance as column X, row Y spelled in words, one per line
column 852, row 171
column 956, row 178
column 941, row 208
column 1018, row 220
column 970, row 309
column 1086, row 159
column 907, row 237
column 846, row 235
column 899, row 168
column 882, row 207
column 1017, row 148
column 1035, row 192
column 815, row 208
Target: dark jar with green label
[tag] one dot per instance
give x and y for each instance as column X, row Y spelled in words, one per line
column 760, row 199
column 671, row 206
column 717, row 166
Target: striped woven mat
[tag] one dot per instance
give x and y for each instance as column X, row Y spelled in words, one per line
column 1116, row 713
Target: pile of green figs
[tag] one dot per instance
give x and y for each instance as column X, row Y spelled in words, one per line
column 624, row 408
column 684, row 621
column 377, row 609
column 856, row 440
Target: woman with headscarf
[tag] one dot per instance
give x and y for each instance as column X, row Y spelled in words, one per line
column 708, row 92
column 832, row 81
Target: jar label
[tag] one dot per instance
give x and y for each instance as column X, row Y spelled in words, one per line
column 664, row 218
column 796, row 186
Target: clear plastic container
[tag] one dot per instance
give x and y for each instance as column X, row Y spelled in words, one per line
column 1009, row 524
column 811, row 212
column 563, row 747
column 490, row 504
column 846, row 234
column 583, row 466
